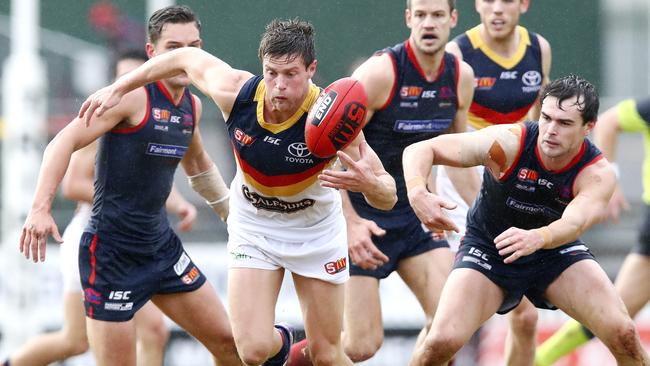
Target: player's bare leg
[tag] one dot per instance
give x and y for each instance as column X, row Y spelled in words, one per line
column 70, row 341
column 152, row 335
column 113, row 343
column 363, row 331
column 252, row 295
column 201, row 314
column 425, row 275
column 449, row 332
column 521, row 338
column 584, row 292
column 322, row 308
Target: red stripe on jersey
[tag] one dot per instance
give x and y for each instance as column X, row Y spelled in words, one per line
column 281, row 179
column 498, row 118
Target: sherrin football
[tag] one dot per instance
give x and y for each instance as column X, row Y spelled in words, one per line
column 336, row 118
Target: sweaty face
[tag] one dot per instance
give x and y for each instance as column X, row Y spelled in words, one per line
column 173, row 36
column 430, row 22
column 287, row 82
column 561, row 129
column 500, row 17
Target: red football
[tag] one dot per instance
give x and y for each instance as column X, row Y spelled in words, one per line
column 336, row 118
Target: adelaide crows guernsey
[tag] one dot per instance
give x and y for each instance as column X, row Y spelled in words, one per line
column 505, row 88
column 416, row 110
column 135, row 170
column 276, row 191
column 528, row 195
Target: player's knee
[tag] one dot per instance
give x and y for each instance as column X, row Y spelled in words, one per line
column 154, row 335
column 440, row 346
column 361, row 349
column 623, row 340
column 324, row 355
column 74, row 347
column 254, row 353
column 524, row 322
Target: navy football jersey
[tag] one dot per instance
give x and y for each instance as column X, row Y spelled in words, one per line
column 134, row 173
column 416, row 110
column 528, row 195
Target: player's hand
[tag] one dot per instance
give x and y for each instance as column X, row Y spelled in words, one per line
column 429, row 208
column 617, row 204
column 99, row 102
column 516, row 243
column 38, row 226
column 186, row 212
column 358, row 176
column 362, row 250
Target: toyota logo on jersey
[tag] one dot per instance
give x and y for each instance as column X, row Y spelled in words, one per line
column 299, row 150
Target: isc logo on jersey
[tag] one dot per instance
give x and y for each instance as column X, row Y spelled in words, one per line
column 324, row 102
column 508, row 75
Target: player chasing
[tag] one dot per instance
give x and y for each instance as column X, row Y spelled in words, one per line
column 545, row 184
column 511, row 65
column 280, row 215
column 416, row 91
column 632, row 279
column 128, row 253
column 71, row 339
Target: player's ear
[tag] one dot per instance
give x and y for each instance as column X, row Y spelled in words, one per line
column 151, row 52
column 311, row 68
column 523, row 6
column 453, row 18
column 588, row 127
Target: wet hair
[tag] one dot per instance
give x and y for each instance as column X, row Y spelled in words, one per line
column 452, row 5
column 574, row 86
column 174, row 14
column 288, row 38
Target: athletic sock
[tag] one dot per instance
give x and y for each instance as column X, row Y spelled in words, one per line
column 280, row 358
column 299, row 355
column 571, row 336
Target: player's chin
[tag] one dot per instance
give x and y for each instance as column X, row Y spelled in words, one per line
column 181, row 81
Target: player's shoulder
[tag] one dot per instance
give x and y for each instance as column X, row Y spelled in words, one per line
column 544, row 44
column 132, row 103
column 376, row 73
column 453, row 48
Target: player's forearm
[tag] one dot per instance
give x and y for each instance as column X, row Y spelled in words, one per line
column 606, row 138
column 157, row 68
column 417, row 160
column 55, row 163
column 569, row 228
column 348, row 210
column 382, row 194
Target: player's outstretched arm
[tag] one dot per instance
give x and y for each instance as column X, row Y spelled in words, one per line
column 496, row 147
column 39, row 223
column 594, row 187
column 364, row 173
column 214, row 77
